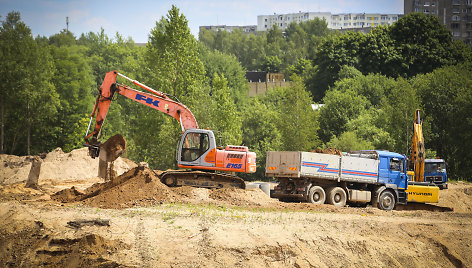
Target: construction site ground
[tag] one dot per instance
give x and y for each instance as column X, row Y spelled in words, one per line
column 75, row 219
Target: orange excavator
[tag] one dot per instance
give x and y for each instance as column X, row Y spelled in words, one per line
column 204, row 163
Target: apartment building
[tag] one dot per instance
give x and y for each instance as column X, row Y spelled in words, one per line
column 247, row 29
column 456, row 15
column 334, row 21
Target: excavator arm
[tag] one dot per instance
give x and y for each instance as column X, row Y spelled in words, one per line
column 418, row 154
column 157, row 100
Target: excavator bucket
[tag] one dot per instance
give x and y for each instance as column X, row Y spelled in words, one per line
column 109, row 152
column 112, row 148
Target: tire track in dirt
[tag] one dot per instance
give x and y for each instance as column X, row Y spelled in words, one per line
column 143, row 245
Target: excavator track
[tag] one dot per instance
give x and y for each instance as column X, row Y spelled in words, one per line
column 201, row 179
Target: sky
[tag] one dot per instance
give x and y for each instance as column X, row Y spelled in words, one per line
column 136, row 18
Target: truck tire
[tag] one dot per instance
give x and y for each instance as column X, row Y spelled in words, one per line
column 337, row 196
column 316, row 195
column 386, row 201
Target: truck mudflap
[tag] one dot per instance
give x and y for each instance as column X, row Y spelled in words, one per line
column 201, row 179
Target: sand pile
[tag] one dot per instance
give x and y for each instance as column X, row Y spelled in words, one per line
column 330, row 150
column 57, row 166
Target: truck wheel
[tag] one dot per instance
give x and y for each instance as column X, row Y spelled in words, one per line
column 316, row 195
column 337, row 196
column 386, row 201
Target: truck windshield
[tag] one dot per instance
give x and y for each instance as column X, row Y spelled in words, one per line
column 434, row 167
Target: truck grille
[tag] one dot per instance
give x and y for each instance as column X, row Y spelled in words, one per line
column 435, row 179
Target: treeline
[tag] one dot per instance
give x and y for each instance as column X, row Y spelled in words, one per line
column 370, row 85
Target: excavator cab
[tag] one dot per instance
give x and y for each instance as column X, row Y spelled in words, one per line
column 194, row 144
column 197, row 149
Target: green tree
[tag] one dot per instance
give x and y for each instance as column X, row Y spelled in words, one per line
column 334, row 53
column 228, row 66
column 297, row 122
column 260, row 132
column 349, row 141
column 28, row 98
column 172, row 55
column 446, row 94
column 226, row 117
column 340, row 107
column 272, row 64
column 173, row 66
column 424, row 44
column 74, row 83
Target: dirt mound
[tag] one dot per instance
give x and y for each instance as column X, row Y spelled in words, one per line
column 240, row 197
column 141, row 186
column 333, row 151
column 138, row 186
column 32, row 244
column 57, row 166
column 458, row 196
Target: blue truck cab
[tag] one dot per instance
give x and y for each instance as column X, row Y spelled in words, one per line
column 392, row 169
column 435, row 172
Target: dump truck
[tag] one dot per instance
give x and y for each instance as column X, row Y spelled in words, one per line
column 358, row 178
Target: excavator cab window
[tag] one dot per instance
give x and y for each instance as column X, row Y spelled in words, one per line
column 194, row 146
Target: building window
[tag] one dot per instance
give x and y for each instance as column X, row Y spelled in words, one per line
column 265, row 26
column 433, row 11
column 426, row 4
column 417, row 9
column 395, row 18
column 455, row 25
column 456, row 2
column 426, row 11
column 455, row 10
column 417, row 3
column 456, row 34
column 265, row 20
column 384, row 18
column 455, row 18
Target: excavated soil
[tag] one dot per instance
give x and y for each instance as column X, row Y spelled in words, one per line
column 140, row 186
column 148, row 224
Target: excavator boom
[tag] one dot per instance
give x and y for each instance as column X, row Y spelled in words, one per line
column 160, row 101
